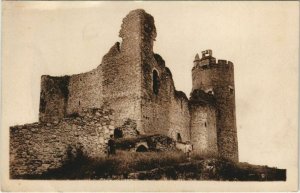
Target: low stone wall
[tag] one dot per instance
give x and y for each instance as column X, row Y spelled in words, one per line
column 151, row 142
column 37, row 147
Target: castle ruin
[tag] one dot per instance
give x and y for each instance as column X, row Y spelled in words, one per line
column 131, row 83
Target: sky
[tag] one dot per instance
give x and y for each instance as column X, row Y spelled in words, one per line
column 260, row 38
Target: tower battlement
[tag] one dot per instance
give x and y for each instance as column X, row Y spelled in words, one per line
column 208, row 61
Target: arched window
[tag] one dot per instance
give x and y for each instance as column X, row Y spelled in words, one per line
column 155, row 83
column 210, row 91
column 141, row 148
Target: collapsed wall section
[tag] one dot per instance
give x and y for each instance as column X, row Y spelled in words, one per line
column 38, row 147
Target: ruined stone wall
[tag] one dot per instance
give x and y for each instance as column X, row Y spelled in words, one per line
column 203, row 128
column 156, row 95
column 85, row 91
column 129, row 129
column 65, row 95
column 156, row 106
column 219, row 78
column 121, row 86
column 53, row 97
column 122, row 73
column 37, row 147
column 163, row 111
column 179, row 118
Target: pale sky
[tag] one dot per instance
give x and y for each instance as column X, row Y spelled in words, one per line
column 260, row 38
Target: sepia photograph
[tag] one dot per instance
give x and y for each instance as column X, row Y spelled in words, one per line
column 150, row 96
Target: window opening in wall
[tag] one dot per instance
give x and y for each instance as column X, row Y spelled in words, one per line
column 141, row 148
column 210, row 91
column 78, row 102
column 43, row 104
column 205, row 124
column 155, row 82
column 181, row 103
column 231, row 90
column 179, row 137
column 118, row 133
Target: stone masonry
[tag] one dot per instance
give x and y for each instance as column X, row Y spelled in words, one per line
column 37, row 147
column 135, row 83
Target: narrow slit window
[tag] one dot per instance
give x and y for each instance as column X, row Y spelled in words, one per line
column 155, row 82
column 231, row 90
column 179, row 137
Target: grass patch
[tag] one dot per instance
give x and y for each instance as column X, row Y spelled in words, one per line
column 160, row 165
column 121, row 164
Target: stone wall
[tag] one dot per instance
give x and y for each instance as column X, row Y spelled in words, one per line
column 156, row 106
column 121, row 68
column 85, row 91
column 157, row 84
column 164, row 110
column 53, row 97
column 37, row 147
column 203, row 128
column 129, row 129
column 65, row 95
column 179, row 118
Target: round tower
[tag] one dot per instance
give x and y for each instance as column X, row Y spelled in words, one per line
column 217, row 78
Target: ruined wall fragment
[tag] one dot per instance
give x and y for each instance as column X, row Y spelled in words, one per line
column 37, row 147
column 53, row 98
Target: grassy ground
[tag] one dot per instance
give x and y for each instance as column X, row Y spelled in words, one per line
column 160, row 165
column 122, row 163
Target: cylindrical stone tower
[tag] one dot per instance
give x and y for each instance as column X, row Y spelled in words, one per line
column 217, row 78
